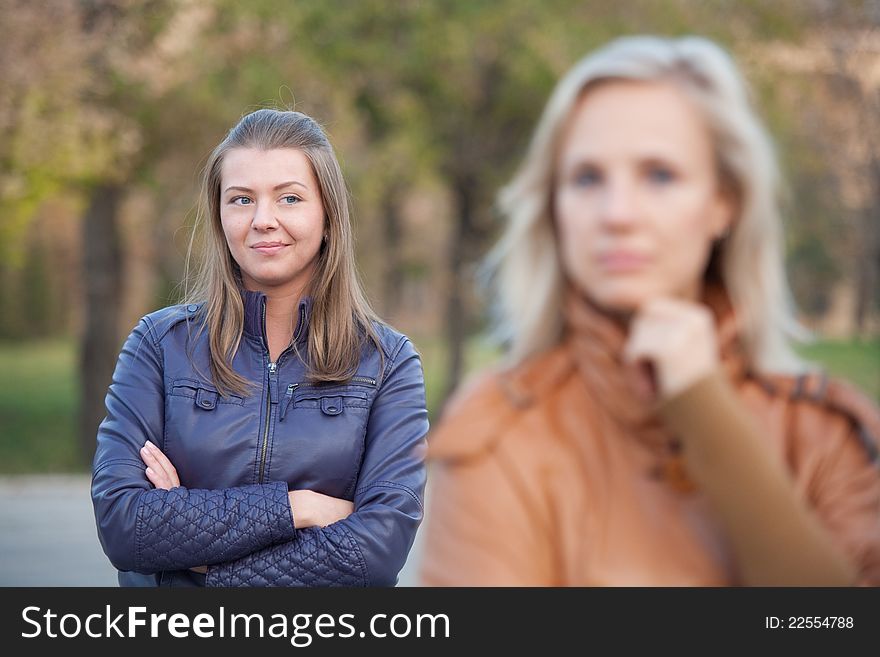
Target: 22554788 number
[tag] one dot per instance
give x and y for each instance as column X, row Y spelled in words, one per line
column 808, row 622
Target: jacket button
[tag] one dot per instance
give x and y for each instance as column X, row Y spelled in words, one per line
column 332, row 409
column 192, row 307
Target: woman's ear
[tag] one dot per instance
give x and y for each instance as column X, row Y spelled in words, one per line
column 724, row 210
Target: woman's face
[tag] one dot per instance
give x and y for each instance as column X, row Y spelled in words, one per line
column 272, row 217
column 637, row 200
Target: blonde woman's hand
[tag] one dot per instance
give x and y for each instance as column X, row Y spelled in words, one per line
column 672, row 344
column 311, row 509
column 162, row 474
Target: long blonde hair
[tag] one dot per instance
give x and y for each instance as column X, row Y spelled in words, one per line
column 341, row 317
column 525, row 264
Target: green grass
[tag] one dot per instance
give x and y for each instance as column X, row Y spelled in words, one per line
column 38, row 392
column 38, row 408
column 856, row 361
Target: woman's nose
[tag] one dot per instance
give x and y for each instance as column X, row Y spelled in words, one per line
column 618, row 206
column 264, row 217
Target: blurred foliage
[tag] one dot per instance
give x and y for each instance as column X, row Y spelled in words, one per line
column 414, row 95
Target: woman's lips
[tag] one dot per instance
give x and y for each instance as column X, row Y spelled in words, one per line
column 269, row 249
column 622, row 261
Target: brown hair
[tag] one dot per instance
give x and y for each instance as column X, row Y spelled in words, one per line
column 341, row 318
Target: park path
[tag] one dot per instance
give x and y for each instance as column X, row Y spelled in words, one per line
column 48, row 536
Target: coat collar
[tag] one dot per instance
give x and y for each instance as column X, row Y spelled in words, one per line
column 255, row 320
column 596, row 341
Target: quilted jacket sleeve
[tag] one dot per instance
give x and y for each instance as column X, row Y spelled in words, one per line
column 370, row 546
column 147, row 530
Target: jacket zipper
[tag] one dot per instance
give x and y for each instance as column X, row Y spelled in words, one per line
column 288, row 398
column 270, row 371
column 272, row 368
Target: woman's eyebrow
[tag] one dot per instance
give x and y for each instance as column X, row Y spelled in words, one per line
column 289, row 183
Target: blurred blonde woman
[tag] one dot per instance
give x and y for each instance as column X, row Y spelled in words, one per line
column 652, row 425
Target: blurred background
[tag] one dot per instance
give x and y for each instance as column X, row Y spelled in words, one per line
column 109, row 108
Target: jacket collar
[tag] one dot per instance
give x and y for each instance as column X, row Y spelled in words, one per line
column 596, row 341
column 255, row 320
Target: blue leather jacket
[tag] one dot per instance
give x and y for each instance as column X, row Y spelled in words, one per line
column 237, row 457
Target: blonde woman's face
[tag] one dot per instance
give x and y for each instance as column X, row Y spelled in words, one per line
column 272, row 216
column 637, row 201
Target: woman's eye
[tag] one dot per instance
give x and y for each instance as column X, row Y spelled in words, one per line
column 660, row 175
column 587, row 178
column 290, row 199
column 242, row 200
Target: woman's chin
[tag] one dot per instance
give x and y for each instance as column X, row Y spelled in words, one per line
column 271, row 280
column 623, row 297
column 619, row 301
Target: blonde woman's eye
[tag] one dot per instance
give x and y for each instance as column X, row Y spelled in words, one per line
column 661, row 175
column 290, row 199
column 241, row 200
column 587, row 178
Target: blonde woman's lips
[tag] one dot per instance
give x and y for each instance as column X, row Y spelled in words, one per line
column 622, row 261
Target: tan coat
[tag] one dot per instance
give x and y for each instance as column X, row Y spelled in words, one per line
column 551, row 476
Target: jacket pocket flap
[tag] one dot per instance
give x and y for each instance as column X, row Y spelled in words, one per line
column 327, row 398
column 206, row 399
column 331, row 405
column 205, row 395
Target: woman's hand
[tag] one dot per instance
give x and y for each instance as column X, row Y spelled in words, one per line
column 672, row 344
column 160, row 471
column 162, row 474
column 311, row 509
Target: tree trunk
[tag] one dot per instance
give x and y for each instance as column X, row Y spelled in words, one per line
column 456, row 314
column 868, row 265
column 102, row 278
column 393, row 274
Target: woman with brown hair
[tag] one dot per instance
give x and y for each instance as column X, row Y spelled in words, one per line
column 269, row 430
column 652, row 425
